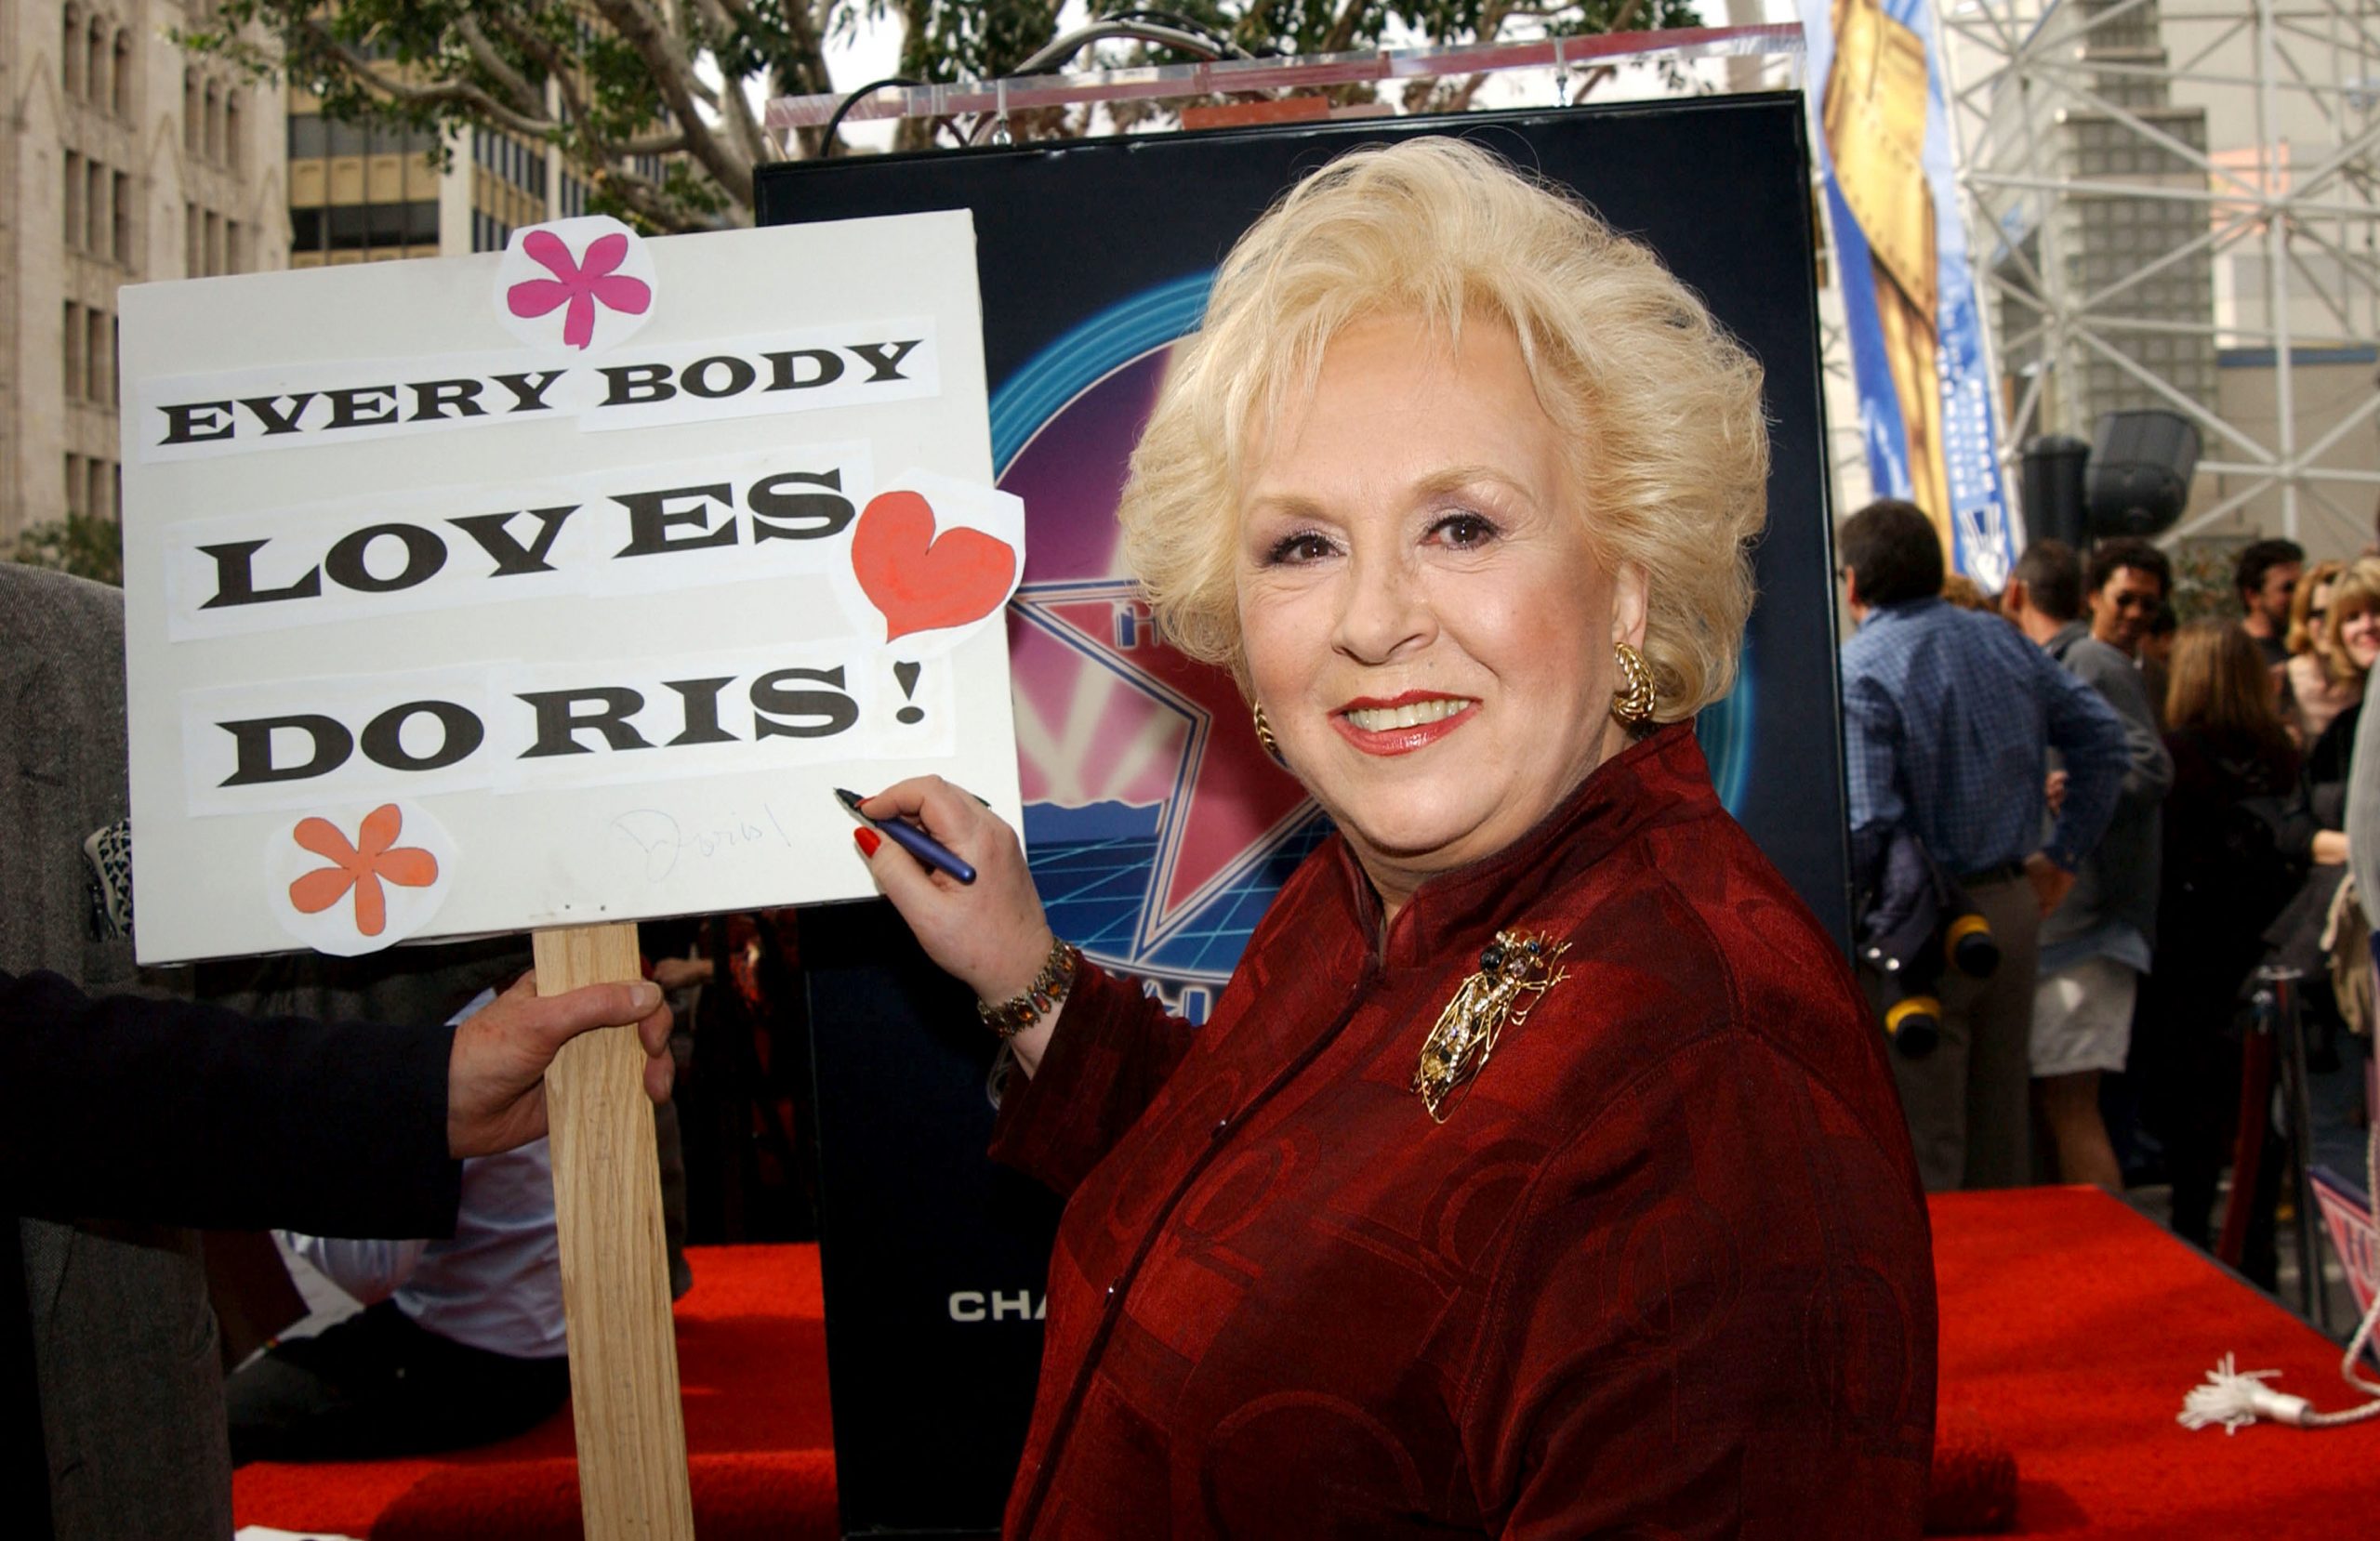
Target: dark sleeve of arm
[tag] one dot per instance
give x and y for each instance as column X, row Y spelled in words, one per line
column 2084, row 729
column 1715, row 1317
column 184, row 1114
column 2149, row 770
column 2189, row 805
column 2328, row 766
column 1111, row 1053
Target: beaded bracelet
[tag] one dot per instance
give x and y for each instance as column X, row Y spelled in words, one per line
column 1049, row 987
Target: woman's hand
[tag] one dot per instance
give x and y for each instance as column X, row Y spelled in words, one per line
column 989, row 934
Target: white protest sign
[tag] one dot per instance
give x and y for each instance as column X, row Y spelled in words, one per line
column 553, row 586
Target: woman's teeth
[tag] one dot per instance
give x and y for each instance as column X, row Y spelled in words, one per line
column 1380, row 719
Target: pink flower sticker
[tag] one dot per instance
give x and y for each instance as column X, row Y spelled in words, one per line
column 582, row 284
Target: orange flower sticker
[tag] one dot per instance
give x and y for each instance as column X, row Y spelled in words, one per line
column 372, row 859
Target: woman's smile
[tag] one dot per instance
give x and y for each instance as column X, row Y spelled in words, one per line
column 1403, row 723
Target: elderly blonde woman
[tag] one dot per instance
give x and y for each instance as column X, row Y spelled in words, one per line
column 1538, row 1173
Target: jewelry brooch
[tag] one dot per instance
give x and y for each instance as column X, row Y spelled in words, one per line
column 1515, row 970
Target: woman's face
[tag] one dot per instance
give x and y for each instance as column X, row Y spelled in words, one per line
column 2359, row 637
column 2317, row 610
column 1426, row 624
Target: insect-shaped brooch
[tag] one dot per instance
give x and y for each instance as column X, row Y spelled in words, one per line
column 1515, row 970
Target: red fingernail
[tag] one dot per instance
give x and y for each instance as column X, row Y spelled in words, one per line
column 868, row 840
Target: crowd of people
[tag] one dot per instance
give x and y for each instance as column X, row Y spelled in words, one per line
column 2145, row 814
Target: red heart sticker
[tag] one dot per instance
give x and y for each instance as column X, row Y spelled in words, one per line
column 924, row 582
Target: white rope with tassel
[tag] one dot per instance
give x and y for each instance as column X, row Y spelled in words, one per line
column 2236, row 1397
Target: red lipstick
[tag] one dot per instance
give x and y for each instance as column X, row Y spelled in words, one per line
column 1400, row 741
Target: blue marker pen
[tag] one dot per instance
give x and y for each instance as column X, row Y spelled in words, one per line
column 909, row 837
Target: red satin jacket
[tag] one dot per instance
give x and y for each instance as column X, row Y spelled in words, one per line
column 1663, row 1271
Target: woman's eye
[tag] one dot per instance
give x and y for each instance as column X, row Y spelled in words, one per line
column 1303, row 547
column 1463, row 532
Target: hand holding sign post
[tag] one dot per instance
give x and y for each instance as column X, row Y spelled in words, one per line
column 550, row 591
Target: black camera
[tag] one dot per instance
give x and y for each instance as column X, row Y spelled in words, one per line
column 1918, row 925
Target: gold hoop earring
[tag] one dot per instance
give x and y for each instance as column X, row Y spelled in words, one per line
column 1634, row 703
column 1264, row 736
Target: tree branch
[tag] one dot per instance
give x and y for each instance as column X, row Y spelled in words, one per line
column 651, row 144
column 530, row 41
column 811, row 40
column 559, row 68
column 1343, row 29
column 739, row 109
column 589, row 152
column 361, row 71
column 641, row 196
column 748, row 127
column 1491, row 25
column 1623, row 20
column 800, row 69
column 525, row 97
column 640, row 30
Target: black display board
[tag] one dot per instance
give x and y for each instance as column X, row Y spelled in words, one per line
column 1091, row 256
column 933, row 1257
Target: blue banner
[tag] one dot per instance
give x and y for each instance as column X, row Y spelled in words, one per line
column 1880, row 126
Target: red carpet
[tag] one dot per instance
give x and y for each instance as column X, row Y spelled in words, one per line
column 752, row 1364
column 2074, row 1326
column 2070, row 1328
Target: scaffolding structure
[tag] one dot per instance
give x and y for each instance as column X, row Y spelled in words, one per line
column 2164, row 192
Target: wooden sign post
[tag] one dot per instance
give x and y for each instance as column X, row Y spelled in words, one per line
column 631, row 1428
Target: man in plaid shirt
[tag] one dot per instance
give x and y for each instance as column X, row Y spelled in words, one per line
column 1948, row 717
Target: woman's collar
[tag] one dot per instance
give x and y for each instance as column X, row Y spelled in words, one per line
column 1650, row 781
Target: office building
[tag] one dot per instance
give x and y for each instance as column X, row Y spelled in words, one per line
column 122, row 160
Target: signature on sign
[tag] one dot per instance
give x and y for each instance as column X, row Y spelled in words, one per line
column 663, row 839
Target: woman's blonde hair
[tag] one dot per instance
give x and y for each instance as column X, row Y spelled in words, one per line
column 2355, row 591
column 2302, row 622
column 1661, row 408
